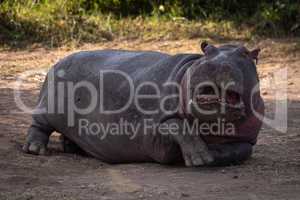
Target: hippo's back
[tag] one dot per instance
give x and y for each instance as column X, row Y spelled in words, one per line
column 92, row 62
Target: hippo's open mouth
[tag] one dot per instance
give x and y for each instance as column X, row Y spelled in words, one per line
column 207, row 95
column 208, row 98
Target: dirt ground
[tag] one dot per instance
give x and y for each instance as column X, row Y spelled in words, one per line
column 272, row 173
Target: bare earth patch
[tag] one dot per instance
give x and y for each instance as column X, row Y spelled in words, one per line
column 272, row 173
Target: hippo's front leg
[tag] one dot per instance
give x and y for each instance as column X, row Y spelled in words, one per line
column 194, row 150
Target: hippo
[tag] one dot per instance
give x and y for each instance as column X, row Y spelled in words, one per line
column 122, row 106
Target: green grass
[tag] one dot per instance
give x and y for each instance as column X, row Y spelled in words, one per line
column 61, row 22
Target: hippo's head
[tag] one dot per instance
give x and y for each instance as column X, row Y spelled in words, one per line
column 222, row 83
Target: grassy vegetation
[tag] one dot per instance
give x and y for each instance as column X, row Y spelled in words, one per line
column 60, row 22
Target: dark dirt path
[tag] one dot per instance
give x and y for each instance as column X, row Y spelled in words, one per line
column 272, row 173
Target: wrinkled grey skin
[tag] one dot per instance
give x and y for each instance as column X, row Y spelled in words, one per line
column 141, row 67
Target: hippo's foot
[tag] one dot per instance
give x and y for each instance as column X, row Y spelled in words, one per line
column 194, row 150
column 36, row 142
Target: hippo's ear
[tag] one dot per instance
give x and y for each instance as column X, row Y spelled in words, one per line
column 254, row 54
column 203, row 45
column 208, row 49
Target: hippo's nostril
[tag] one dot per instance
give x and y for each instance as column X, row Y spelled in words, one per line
column 207, row 95
column 232, row 97
column 207, row 90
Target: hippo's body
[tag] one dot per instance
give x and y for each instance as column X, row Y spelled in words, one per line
column 83, row 93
